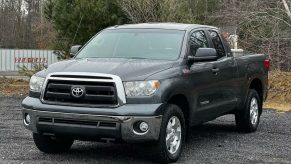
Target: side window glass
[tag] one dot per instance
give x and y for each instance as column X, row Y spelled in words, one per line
column 217, row 44
column 198, row 40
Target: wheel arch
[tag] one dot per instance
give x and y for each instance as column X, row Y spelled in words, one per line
column 256, row 84
column 181, row 101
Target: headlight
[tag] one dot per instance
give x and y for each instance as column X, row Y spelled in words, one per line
column 141, row 88
column 35, row 83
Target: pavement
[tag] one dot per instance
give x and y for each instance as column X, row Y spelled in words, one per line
column 217, row 141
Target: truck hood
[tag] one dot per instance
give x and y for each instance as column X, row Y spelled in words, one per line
column 126, row 69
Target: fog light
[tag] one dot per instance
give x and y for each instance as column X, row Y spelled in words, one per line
column 140, row 128
column 26, row 119
column 143, row 126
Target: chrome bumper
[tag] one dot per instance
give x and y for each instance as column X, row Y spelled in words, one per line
column 123, row 130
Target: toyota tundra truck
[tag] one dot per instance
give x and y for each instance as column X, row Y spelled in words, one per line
column 144, row 83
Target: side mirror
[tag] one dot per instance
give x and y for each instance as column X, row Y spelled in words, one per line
column 74, row 50
column 204, row 54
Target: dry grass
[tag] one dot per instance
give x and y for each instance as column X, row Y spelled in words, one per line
column 278, row 106
column 10, row 87
column 279, row 96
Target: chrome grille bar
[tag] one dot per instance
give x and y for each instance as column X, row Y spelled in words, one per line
column 94, row 91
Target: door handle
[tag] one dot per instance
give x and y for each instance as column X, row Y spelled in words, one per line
column 215, row 70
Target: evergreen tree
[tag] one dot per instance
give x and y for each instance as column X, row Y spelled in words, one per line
column 76, row 21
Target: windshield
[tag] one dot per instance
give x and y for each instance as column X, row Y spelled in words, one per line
column 135, row 44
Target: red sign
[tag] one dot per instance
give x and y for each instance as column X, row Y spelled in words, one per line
column 30, row 60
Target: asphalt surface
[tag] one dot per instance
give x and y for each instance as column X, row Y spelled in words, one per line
column 214, row 142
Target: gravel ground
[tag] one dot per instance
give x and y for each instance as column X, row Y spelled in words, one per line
column 214, row 142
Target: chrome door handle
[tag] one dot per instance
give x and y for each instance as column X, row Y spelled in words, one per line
column 215, row 70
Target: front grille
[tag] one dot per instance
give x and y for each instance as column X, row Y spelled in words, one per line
column 97, row 93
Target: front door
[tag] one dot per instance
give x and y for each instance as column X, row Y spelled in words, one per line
column 203, row 81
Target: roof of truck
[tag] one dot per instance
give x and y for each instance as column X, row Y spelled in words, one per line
column 168, row 26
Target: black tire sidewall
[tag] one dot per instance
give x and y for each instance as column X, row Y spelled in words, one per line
column 171, row 110
column 243, row 117
column 255, row 95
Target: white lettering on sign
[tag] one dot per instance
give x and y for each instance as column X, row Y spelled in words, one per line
column 30, row 60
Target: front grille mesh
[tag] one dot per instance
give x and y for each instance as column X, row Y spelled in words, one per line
column 96, row 93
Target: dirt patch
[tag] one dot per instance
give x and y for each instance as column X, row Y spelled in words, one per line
column 11, row 87
column 283, row 107
column 279, row 95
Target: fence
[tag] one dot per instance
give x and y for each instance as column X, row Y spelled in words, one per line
column 12, row 59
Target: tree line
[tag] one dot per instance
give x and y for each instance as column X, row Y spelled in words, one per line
column 262, row 26
column 22, row 25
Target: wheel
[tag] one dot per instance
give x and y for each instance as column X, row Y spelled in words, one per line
column 172, row 135
column 247, row 120
column 49, row 144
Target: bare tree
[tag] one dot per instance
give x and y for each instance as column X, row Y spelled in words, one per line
column 20, row 23
column 287, row 8
column 263, row 27
column 156, row 10
column 141, row 10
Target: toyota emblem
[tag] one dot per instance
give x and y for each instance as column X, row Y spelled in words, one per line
column 77, row 92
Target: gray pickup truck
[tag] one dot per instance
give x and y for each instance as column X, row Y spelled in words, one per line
column 144, row 83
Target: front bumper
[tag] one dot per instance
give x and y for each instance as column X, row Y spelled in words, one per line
column 93, row 123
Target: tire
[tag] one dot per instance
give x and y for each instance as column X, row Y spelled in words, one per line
column 170, row 133
column 52, row 145
column 248, row 119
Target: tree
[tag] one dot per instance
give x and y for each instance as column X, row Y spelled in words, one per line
column 19, row 23
column 263, row 27
column 76, row 21
column 286, row 6
column 183, row 11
